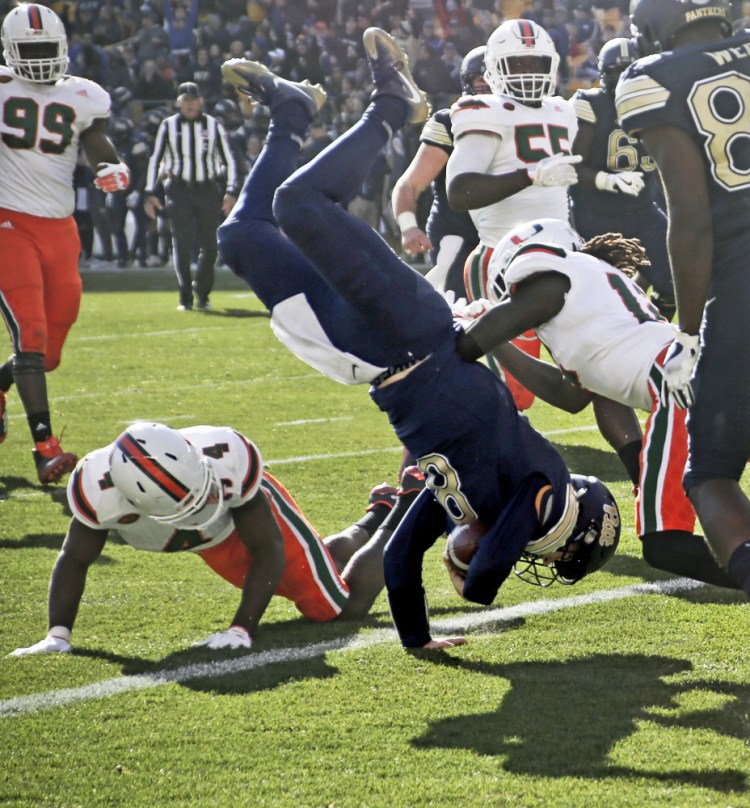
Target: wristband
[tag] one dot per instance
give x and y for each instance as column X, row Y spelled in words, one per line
column 406, row 220
column 600, row 180
column 60, row 632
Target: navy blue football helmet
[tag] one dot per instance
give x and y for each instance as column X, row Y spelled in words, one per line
column 654, row 23
column 614, row 57
column 591, row 544
column 472, row 67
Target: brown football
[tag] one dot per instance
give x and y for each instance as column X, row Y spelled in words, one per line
column 462, row 544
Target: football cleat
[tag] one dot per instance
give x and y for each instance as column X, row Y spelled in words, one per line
column 382, row 494
column 3, row 417
column 51, row 462
column 389, row 66
column 263, row 85
column 412, row 480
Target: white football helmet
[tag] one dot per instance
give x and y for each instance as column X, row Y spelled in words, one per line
column 35, row 46
column 551, row 232
column 521, row 61
column 165, row 477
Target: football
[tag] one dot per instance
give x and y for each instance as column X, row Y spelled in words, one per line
column 462, row 544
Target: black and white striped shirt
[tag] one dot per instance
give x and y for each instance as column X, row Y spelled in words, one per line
column 193, row 151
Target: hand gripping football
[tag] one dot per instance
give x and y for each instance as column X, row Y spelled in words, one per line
column 462, row 544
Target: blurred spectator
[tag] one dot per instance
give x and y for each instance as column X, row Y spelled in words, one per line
column 470, row 35
column 430, row 39
column 151, row 40
column 583, row 22
column 350, row 49
column 317, row 141
column 431, row 74
column 107, row 27
column 151, row 85
column 180, row 22
column 453, row 61
column 88, row 60
column 305, row 61
column 286, row 16
column 119, row 73
column 86, row 14
column 206, row 73
column 213, row 32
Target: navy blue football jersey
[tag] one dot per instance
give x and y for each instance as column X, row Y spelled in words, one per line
column 611, row 150
column 703, row 89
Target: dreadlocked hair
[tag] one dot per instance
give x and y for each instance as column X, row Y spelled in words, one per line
column 627, row 254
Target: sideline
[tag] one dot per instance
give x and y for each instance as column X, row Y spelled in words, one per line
column 23, row 705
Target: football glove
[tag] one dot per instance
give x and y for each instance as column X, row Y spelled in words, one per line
column 624, row 182
column 555, row 170
column 112, row 177
column 466, row 314
column 233, row 637
column 57, row 640
column 678, row 368
column 133, row 200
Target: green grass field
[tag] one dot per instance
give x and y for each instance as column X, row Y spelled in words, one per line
column 630, row 689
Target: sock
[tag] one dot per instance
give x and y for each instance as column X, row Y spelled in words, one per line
column 40, row 426
column 290, row 117
column 374, row 518
column 630, row 455
column 6, row 375
column 686, row 554
column 391, row 109
column 739, row 566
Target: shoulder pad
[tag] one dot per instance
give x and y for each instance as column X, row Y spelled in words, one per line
column 583, row 109
column 477, row 113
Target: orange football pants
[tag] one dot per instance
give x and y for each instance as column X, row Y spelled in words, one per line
column 40, row 288
column 661, row 503
column 310, row 578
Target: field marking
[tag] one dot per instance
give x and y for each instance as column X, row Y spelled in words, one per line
column 305, row 421
column 22, row 705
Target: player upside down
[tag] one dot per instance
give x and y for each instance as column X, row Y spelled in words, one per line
column 342, row 301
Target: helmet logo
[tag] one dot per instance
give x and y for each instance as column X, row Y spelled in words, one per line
column 526, row 33
column 610, row 523
column 525, row 235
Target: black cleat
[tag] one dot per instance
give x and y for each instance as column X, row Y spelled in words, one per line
column 389, row 66
column 263, row 85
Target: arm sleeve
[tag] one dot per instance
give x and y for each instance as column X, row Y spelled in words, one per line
column 502, row 545
column 424, row 522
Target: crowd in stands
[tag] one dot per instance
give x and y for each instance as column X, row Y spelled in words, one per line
column 141, row 50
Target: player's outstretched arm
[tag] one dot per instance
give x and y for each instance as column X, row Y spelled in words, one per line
column 82, row 546
column 258, row 530
column 111, row 173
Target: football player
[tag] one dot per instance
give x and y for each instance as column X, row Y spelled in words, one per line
column 451, row 235
column 688, row 102
column 203, row 490
column 343, row 302
column 46, row 115
column 608, row 339
column 617, row 180
column 512, row 156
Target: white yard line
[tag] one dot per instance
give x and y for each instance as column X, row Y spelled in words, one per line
column 22, row 705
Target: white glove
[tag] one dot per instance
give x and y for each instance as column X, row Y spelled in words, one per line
column 678, row 367
column 57, row 640
column 555, row 170
column 465, row 314
column 233, row 637
column 624, row 182
column 112, row 177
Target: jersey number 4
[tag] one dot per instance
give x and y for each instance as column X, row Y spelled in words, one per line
column 24, row 115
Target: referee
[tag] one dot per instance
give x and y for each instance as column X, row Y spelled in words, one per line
column 192, row 159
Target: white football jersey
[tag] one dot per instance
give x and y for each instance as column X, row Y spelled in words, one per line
column 607, row 335
column 40, row 127
column 525, row 135
column 95, row 501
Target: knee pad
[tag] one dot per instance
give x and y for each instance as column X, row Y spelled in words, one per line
column 28, row 363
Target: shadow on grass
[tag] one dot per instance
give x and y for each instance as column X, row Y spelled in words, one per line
column 563, row 719
column 602, row 463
